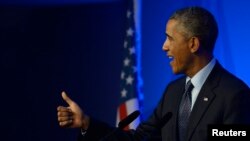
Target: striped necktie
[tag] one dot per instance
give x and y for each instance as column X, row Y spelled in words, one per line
column 185, row 110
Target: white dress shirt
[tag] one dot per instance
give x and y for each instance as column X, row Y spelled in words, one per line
column 199, row 79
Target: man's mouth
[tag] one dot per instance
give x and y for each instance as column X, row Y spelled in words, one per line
column 171, row 58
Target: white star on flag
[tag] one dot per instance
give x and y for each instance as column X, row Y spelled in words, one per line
column 125, row 44
column 129, row 13
column 124, row 93
column 126, row 62
column 129, row 80
column 130, row 32
column 122, row 75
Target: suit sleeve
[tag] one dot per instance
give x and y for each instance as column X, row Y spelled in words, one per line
column 146, row 130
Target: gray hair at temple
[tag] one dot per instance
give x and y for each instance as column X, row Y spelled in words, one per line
column 198, row 22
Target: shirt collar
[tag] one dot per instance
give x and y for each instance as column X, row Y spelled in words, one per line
column 199, row 78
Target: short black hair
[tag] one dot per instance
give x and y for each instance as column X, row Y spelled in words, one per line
column 200, row 23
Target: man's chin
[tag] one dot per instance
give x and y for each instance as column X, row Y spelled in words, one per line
column 176, row 72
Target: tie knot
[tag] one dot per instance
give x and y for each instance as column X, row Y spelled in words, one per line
column 189, row 86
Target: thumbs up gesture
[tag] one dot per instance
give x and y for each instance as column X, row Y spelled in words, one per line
column 71, row 116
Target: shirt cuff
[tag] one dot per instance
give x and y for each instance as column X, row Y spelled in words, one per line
column 83, row 132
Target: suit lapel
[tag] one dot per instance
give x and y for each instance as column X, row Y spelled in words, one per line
column 204, row 99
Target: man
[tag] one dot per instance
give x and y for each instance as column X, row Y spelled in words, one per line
column 206, row 94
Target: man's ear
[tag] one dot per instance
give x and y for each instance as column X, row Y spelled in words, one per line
column 194, row 44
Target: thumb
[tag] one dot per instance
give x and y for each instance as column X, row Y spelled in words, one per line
column 66, row 98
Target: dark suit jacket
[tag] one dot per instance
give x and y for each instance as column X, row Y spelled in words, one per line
column 227, row 101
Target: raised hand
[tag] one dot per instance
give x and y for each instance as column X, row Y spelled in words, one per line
column 71, row 116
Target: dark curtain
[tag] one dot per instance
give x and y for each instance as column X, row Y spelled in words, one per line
column 47, row 49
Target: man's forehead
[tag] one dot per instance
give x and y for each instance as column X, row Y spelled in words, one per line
column 173, row 27
column 170, row 26
column 172, row 22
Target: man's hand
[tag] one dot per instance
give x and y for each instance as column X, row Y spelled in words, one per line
column 71, row 116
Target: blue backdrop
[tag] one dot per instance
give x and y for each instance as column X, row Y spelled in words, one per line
column 50, row 46
column 232, row 47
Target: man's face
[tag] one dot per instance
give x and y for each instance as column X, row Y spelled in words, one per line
column 178, row 49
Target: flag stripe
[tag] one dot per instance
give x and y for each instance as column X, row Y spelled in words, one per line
column 123, row 113
column 132, row 105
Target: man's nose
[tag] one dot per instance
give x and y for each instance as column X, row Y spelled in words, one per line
column 165, row 46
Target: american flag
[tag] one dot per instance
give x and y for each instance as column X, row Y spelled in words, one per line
column 130, row 96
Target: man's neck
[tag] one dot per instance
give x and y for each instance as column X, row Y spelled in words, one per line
column 199, row 63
